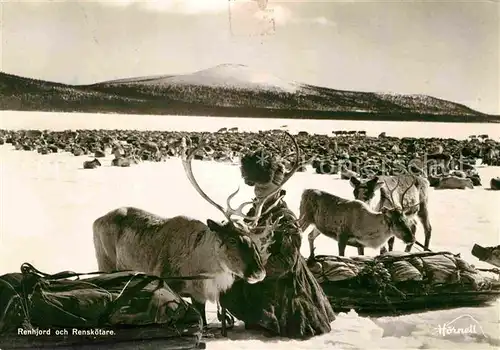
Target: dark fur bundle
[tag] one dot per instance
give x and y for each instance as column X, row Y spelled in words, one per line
column 261, row 167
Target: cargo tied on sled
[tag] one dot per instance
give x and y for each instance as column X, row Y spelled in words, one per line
column 128, row 308
column 396, row 282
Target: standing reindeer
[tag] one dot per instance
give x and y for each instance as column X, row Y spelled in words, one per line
column 411, row 193
column 352, row 222
column 133, row 239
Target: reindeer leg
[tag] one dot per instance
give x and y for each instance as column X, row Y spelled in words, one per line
column 408, row 247
column 423, row 215
column 359, row 246
column 226, row 319
column 222, row 317
column 361, row 250
column 390, row 243
column 343, row 238
column 311, row 237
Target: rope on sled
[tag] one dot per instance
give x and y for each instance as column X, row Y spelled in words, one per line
column 493, row 270
column 27, row 269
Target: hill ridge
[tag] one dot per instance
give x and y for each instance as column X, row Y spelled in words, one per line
column 231, row 90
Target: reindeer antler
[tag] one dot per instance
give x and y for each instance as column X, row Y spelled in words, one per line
column 266, row 237
column 230, row 211
column 391, row 191
column 404, row 194
column 187, row 158
column 406, row 191
column 399, row 204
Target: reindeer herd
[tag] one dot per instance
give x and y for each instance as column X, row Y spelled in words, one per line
column 215, row 253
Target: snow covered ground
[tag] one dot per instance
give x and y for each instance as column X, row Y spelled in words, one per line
column 232, row 75
column 48, row 204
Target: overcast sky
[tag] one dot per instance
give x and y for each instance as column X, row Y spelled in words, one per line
column 444, row 49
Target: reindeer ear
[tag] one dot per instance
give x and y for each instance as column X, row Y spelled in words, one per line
column 376, row 183
column 354, row 181
column 214, row 226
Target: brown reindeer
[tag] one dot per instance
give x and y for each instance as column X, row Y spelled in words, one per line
column 91, row 164
column 133, row 239
column 121, row 162
column 352, row 222
column 409, row 192
column 454, row 183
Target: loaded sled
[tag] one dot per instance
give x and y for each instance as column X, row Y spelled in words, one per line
column 396, row 282
column 131, row 310
column 120, row 310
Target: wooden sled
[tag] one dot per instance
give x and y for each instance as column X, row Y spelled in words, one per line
column 119, row 310
column 395, row 283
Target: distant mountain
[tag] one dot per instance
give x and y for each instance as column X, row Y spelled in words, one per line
column 230, row 76
column 228, row 90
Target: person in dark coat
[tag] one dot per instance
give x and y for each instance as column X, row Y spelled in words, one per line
column 289, row 302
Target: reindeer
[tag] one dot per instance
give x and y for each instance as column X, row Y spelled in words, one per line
column 133, row 239
column 124, row 156
column 454, row 183
column 495, row 183
column 352, row 222
column 91, row 164
column 121, row 162
column 413, row 189
column 118, row 150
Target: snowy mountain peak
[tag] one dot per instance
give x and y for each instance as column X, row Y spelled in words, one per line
column 234, row 76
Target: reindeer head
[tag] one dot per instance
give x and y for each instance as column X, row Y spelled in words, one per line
column 243, row 247
column 400, row 220
column 364, row 190
column 402, row 225
column 242, row 255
